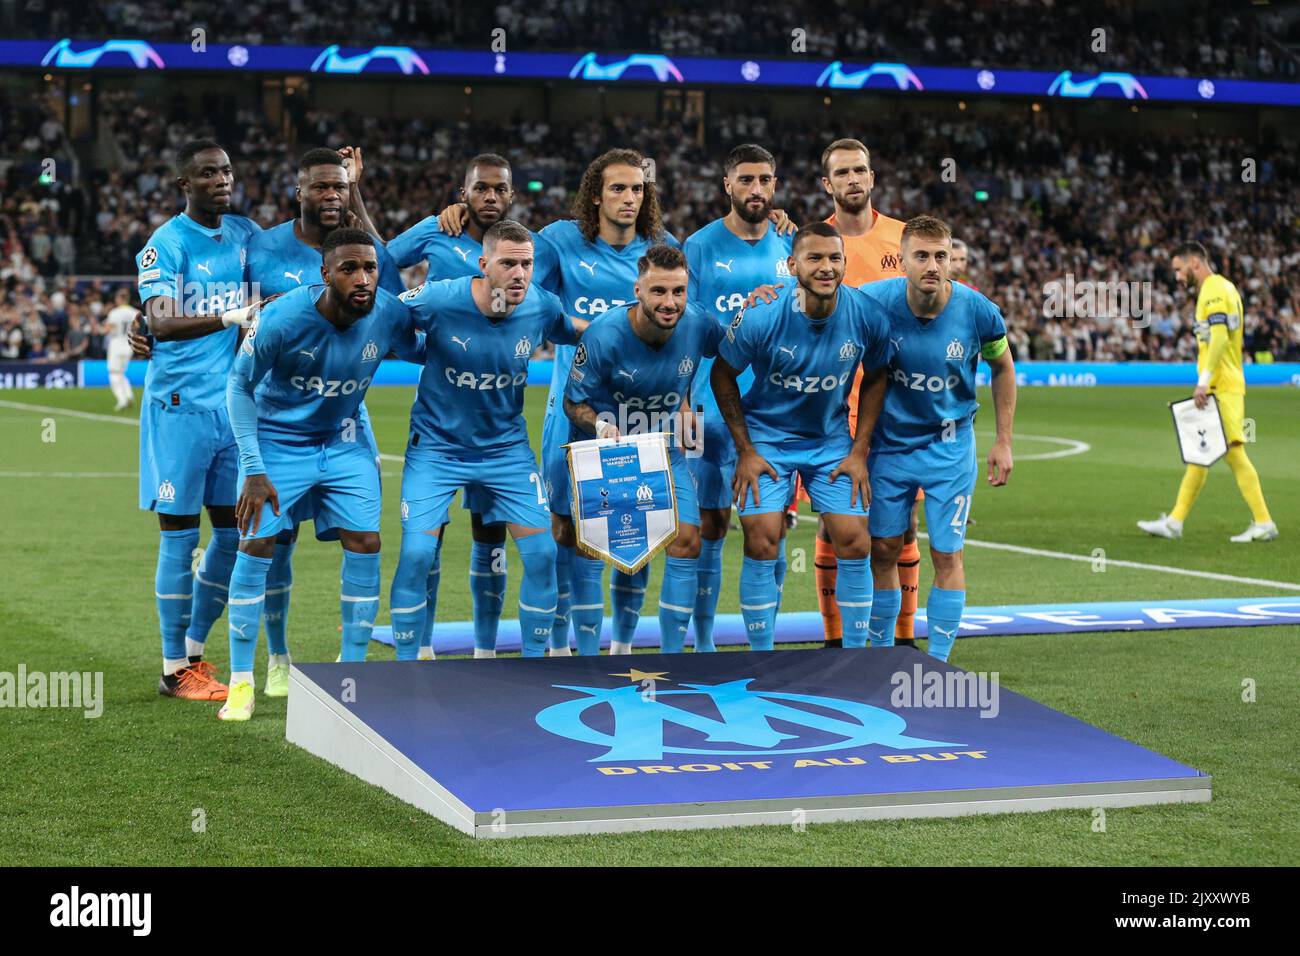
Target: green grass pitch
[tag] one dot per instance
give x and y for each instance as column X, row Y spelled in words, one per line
column 76, row 594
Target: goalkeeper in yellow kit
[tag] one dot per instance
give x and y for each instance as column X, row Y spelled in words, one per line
column 1219, row 320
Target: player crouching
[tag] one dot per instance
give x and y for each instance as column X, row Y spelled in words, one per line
column 317, row 349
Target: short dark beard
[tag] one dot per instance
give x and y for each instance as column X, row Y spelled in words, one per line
column 848, row 207
column 742, row 210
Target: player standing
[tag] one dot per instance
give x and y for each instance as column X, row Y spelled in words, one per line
column 871, row 250
column 294, row 396
column 281, row 259
column 118, row 348
column 805, row 348
column 468, row 428
column 486, row 196
column 727, row 259
column 644, row 357
column 590, row 261
column 920, row 418
column 190, row 277
column 1220, row 319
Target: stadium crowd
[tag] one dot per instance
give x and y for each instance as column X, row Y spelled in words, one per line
column 1152, row 36
column 1100, row 208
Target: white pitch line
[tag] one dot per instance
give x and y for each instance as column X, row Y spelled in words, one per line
column 1073, row 446
column 68, row 474
column 1187, row 572
column 74, row 413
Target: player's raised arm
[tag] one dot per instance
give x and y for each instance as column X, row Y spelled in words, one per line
column 998, row 355
column 352, row 164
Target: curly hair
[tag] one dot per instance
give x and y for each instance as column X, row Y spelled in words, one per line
column 586, row 204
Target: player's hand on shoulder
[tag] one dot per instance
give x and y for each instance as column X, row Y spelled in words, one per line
column 452, row 219
column 352, row 162
column 999, row 463
column 749, row 465
column 785, row 226
column 854, row 467
column 764, row 293
column 256, row 492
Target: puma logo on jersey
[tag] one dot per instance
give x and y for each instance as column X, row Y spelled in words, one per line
column 463, row 253
column 630, row 376
column 295, row 276
column 463, row 343
column 589, row 266
column 788, row 349
column 897, row 343
column 203, row 267
column 723, row 265
column 311, row 354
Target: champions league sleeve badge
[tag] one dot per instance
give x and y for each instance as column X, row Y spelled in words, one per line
column 624, row 502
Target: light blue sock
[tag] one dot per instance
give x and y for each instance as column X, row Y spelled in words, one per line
column 780, row 573
column 212, row 582
column 708, row 587
column 942, row 617
column 563, row 595
column 279, row 584
column 247, row 594
column 853, row 593
column 408, row 602
column 588, row 603
column 487, row 586
column 680, row 582
column 758, row 601
column 536, row 592
column 173, row 586
column 431, row 597
column 358, row 603
column 885, row 606
column 626, row 597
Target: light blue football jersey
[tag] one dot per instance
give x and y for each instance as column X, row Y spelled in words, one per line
column 278, row 261
column 615, row 370
column 724, row 269
column 470, row 401
column 803, row 370
column 315, row 374
column 932, row 363
column 204, row 269
column 449, row 257
column 589, row 277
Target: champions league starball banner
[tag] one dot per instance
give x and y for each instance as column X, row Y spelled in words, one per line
column 423, row 63
column 624, row 502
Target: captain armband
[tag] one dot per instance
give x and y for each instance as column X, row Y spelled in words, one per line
column 991, row 350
